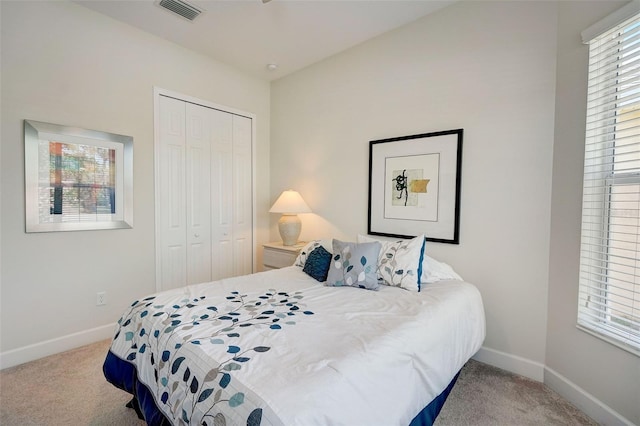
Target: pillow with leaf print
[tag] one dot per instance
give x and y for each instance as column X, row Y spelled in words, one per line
column 400, row 262
column 301, row 259
column 354, row 265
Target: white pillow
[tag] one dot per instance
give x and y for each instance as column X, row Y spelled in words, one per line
column 399, row 262
column 434, row 271
column 309, row 247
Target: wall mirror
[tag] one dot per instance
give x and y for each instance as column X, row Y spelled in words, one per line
column 76, row 179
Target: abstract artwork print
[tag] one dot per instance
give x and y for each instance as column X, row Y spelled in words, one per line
column 412, row 187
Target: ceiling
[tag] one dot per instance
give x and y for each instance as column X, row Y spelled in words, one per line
column 249, row 35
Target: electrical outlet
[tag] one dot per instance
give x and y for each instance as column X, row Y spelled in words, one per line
column 101, row 298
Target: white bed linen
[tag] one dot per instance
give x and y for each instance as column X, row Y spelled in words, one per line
column 362, row 358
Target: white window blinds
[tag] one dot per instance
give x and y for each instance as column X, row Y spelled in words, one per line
column 609, row 290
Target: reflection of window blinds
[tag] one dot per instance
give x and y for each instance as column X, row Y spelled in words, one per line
column 82, row 179
column 609, row 293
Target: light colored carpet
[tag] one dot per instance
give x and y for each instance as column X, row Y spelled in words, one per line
column 64, row 389
column 70, row 389
column 488, row 396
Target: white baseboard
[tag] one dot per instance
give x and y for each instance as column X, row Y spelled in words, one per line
column 54, row 346
column 587, row 403
column 513, row 363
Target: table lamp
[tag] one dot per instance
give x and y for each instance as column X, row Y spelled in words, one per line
column 290, row 203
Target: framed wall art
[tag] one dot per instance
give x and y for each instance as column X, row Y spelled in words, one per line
column 76, row 179
column 414, row 186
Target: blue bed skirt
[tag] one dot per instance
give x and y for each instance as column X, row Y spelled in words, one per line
column 428, row 415
column 123, row 375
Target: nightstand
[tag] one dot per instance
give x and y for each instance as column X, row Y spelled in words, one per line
column 276, row 255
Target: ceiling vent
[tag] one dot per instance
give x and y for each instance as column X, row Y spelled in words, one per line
column 182, row 8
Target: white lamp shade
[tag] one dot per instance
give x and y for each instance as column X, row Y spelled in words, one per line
column 290, row 202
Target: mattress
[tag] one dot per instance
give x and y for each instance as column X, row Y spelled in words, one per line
column 279, row 348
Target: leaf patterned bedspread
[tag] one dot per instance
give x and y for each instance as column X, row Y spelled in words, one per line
column 278, row 348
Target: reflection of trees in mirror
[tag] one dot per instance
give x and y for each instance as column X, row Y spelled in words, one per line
column 82, row 180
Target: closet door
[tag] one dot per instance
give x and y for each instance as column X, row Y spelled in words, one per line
column 242, row 196
column 222, row 208
column 185, row 195
column 204, row 193
column 231, row 195
column 198, row 193
column 172, row 231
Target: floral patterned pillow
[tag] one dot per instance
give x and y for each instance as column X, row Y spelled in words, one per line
column 354, row 265
column 400, row 262
column 308, row 248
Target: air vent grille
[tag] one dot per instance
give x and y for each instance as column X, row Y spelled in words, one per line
column 181, row 8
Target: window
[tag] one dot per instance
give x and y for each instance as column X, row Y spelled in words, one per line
column 609, row 289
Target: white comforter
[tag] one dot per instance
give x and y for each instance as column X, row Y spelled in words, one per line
column 311, row 355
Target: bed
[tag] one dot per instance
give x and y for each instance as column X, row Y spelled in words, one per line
column 280, row 348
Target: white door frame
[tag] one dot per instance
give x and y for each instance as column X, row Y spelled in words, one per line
column 157, row 92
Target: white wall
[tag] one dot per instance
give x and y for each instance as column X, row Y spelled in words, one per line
column 65, row 64
column 486, row 67
column 606, row 372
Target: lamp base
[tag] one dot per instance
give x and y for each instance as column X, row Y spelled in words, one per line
column 289, row 226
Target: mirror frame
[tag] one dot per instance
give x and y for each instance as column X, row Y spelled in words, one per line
column 34, row 133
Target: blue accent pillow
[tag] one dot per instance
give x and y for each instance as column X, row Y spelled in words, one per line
column 354, row 265
column 317, row 264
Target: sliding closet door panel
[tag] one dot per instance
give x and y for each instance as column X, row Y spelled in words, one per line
column 242, row 196
column 172, row 223
column 198, row 193
column 222, row 211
